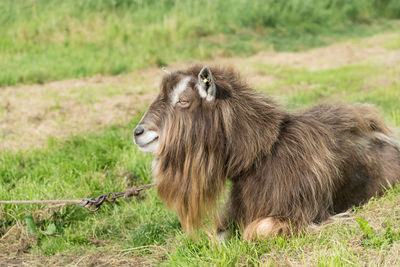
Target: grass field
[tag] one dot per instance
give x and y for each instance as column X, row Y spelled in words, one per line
column 46, row 40
column 143, row 231
column 73, row 138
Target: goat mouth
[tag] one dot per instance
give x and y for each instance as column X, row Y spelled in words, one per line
column 149, row 147
column 147, row 142
column 152, row 141
column 155, row 139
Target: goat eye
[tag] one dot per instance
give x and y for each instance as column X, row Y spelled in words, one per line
column 183, row 103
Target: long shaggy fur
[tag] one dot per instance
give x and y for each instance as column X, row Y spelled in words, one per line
column 288, row 171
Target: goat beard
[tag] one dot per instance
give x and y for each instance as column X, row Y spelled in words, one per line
column 187, row 169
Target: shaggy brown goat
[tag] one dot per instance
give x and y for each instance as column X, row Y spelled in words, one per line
column 287, row 170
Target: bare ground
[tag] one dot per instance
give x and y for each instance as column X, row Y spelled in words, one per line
column 15, row 244
column 29, row 114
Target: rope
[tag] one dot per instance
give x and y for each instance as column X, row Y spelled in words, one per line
column 64, row 201
column 92, row 204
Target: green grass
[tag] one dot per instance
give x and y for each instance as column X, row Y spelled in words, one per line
column 84, row 166
column 46, row 40
column 354, row 83
column 392, row 44
column 91, row 164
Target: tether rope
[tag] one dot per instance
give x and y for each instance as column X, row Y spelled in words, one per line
column 92, row 204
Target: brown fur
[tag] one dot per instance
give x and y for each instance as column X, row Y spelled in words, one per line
column 287, row 170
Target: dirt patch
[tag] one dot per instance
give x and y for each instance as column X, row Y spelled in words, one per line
column 89, row 259
column 29, row 114
column 16, row 242
column 333, row 56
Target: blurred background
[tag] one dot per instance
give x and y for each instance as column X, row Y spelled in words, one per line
column 44, row 40
column 76, row 76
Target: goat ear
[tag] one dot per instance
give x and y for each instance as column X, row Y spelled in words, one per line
column 207, row 88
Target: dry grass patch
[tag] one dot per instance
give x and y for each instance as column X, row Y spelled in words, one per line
column 33, row 113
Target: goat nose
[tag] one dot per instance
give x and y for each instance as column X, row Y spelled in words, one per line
column 138, row 130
